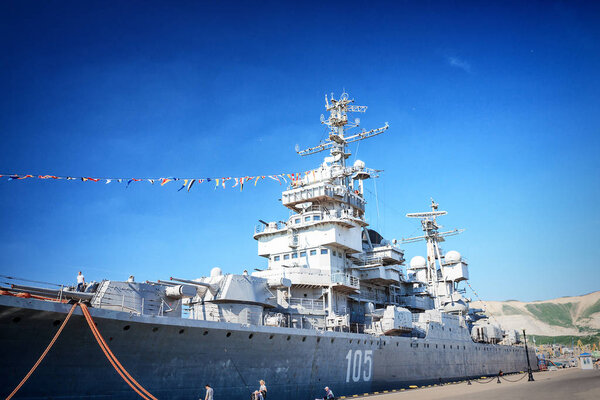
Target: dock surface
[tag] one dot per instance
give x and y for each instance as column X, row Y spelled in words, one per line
column 566, row 384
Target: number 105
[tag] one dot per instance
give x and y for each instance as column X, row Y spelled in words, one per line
column 356, row 363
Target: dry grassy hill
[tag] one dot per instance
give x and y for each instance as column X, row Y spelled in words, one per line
column 565, row 316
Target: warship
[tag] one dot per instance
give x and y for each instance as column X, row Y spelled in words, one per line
column 334, row 306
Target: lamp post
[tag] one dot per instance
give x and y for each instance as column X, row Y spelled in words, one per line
column 528, row 364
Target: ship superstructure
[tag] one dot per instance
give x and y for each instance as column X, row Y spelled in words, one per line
column 333, row 307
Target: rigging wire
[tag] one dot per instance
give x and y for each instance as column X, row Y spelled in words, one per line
column 376, row 201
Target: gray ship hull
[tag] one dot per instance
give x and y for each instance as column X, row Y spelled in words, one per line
column 174, row 358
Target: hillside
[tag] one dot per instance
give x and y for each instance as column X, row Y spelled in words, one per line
column 564, row 317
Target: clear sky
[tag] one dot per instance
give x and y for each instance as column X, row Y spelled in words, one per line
column 493, row 112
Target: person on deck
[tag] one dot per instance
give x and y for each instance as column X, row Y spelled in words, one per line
column 328, row 394
column 80, row 282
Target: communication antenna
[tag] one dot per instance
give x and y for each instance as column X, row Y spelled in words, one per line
column 432, row 238
column 338, row 126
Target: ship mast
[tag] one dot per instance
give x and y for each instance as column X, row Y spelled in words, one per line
column 432, row 238
column 338, row 126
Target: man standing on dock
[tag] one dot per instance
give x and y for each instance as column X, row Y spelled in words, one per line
column 209, row 392
column 80, row 282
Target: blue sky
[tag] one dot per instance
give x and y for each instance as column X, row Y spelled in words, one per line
column 493, row 111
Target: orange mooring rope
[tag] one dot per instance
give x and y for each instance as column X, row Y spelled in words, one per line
column 107, row 352
column 113, row 360
column 43, row 354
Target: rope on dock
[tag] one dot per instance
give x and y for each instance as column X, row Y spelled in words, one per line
column 43, row 354
column 517, row 380
column 105, row 349
column 491, row 379
column 113, row 360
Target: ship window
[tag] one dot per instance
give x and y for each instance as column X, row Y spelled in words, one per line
column 228, row 334
column 288, row 338
column 154, row 329
column 444, row 346
column 334, row 252
column 276, row 258
column 323, row 251
column 271, row 337
column 306, row 219
column 340, row 254
column 436, row 346
column 294, row 255
column 250, row 336
column 313, row 252
column 317, row 218
column 181, row 331
column 205, row 333
column 286, row 256
column 450, row 346
column 302, row 254
column 126, row 327
column 304, row 339
column 297, row 221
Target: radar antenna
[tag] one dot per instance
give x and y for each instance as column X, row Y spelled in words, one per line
column 432, row 237
column 338, row 125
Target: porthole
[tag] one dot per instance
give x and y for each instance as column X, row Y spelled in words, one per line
column 56, row 323
column 181, row 331
column 350, row 340
column 154, row 329
column 332, row 340
column 288, row 338
column 271, row 337
column 304, row 339
column 228, row 334
column 250, row 336
column 126, row 327
column 397, row 344
column 205, row 333
column 318, row 339
column 16, row 319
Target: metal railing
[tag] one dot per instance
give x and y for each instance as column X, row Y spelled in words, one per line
column 345, row 279
column 379, row 297
column 275, row 227
column 307, row 304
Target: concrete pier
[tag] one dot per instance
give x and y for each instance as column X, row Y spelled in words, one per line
column 566, row 384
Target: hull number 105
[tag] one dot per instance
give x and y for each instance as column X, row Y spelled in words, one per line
column 359, row 367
